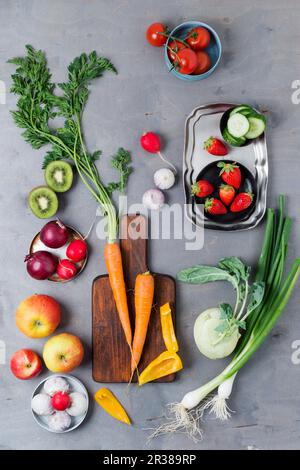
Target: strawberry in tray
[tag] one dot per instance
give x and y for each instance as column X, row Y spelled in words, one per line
column 226, row 193
column 230, row 174
column 214, row 206
column 202, row 188
column 215, row 147
column 241, row 202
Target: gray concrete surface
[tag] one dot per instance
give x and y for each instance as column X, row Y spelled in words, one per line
column 261, row 60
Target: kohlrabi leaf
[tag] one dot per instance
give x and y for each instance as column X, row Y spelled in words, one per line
column 235, row 267
column 226, row 312
column 256, row 296
column 202, row 274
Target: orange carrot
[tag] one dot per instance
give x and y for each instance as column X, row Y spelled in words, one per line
column 113, row 260
column 143, row 299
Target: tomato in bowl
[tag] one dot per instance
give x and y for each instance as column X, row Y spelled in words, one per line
column 204, row 43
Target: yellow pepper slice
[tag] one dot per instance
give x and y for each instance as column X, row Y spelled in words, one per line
column 166, row 363
column 111, row 405
column 168, row 328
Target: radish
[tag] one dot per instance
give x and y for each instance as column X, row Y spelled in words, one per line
column 151, row 143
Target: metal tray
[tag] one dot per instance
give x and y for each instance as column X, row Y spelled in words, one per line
column 202, row 123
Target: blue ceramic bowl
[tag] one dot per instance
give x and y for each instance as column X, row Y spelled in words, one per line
column 214, row 49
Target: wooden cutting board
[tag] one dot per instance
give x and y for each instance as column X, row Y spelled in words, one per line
column 111, row 355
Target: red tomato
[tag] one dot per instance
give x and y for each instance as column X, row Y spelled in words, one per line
column 153, row 36
column 174, row 47
column 204, row 63
column 198, row 38
column 186, row 61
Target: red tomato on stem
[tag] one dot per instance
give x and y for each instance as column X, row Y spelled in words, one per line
column 198, row 38
column 186, row 61
column 173, row 48
column 204, row 63
column 157, row 34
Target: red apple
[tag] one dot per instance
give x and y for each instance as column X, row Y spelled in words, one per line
column 61, row 401
column 25, row 364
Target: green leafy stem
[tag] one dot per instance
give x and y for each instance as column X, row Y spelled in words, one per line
column 38, row 106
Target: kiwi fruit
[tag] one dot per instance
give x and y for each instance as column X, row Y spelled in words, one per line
column 59, row 176
column 43, row 202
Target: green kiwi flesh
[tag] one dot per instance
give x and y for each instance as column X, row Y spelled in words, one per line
column 59, row 176
column 43, row 202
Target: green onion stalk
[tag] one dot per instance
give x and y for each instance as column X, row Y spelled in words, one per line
column 185, row 416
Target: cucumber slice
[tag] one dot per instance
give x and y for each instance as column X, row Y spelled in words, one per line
column 257, row 126
column 243, row 109
column 238, row 125
column 236, row 142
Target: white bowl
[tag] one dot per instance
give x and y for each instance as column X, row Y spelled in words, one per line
column 75, row 386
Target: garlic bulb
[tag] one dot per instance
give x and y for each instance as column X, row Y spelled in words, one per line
column 153, row 199
column 164, row 178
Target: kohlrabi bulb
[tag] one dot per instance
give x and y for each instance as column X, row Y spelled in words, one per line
column 208, row 339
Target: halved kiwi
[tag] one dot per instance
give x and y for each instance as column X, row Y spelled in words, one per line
column 43, row 202
column 59, row 176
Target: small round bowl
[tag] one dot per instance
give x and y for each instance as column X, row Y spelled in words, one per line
column 214, row 49
column 37, row 245
column 76, row 386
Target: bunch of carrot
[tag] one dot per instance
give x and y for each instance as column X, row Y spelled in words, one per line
column 143, row 300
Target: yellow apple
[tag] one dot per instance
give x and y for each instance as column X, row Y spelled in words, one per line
column 38, row 316
column 63, row 352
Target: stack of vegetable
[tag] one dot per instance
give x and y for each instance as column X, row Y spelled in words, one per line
column 243, row 124
column 270, row 271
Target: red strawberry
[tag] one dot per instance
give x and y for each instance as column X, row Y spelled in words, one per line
column 215, row 146
column 230, row 174
column 241, row 202
column 226, row 193
column 214, row 206
column 202, row 188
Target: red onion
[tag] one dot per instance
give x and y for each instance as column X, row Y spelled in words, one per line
column 54, row 234
column 41, row 264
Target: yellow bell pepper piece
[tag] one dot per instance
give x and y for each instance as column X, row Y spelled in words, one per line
column 168, row 328
column 166, row 363
column 111, row 405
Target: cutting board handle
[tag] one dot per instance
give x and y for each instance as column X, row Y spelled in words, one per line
column 133, row 235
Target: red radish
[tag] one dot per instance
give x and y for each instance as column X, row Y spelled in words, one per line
column 214, row 206
column 41, row 264
column 77, row 250
column 54, row 234
column 202, row 188
column 60, row 401
column 66, row 269
column 151, row 143
column 241, row 202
